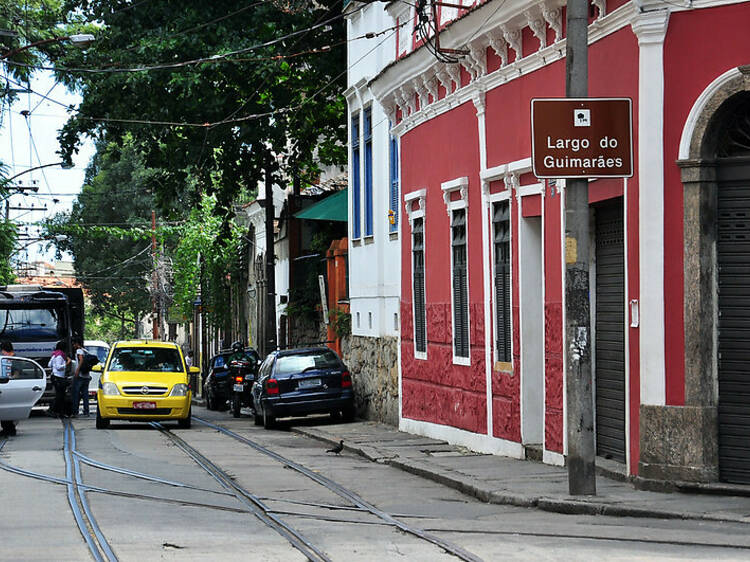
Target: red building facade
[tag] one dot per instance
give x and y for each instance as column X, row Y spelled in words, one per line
column 482, row 253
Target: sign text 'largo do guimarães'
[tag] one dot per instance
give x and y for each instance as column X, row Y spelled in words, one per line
column 582, row 137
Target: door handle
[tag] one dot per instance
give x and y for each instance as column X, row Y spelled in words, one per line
column 36, row 388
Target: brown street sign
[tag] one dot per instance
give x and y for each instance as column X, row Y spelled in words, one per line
column 582, row 137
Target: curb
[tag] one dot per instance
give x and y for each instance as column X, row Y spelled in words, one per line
column 474, row 488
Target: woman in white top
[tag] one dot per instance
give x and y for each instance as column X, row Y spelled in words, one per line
column 57, row 363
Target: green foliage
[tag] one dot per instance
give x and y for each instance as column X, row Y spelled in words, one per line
column 265, row 111
column 27, row 22
column 112, row 257
column 341, row 321
column 108, row 326
column 209, row 246
column 8, row 235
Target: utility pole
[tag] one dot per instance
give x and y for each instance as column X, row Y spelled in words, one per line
column 580, row 409
column 154, row 280
column 270, row 267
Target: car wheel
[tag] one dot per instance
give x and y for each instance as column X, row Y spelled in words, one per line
column 236, row 405
column 257, row 419
column 335, row 415
column 210, row 401
column 268, row 420
column 101, row 423
column 349, row 413
column 186, row 422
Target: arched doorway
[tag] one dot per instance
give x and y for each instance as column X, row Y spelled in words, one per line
column 732, row 137
column 714, row 158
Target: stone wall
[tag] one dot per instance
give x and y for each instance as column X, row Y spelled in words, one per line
column 373, row 363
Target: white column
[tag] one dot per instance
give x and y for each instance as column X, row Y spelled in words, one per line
column 651, row 28
column 479, row 104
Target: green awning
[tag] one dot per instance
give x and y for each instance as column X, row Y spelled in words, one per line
column 333, row 208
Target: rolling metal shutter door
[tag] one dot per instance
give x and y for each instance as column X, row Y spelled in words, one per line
column 610, row 331
column 733, row 249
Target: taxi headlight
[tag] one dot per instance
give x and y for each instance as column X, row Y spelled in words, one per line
column 110, row 389
column 179, row 390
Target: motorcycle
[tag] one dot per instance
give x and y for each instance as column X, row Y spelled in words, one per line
column 242, row 373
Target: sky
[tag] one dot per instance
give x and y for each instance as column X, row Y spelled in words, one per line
column 30, row 141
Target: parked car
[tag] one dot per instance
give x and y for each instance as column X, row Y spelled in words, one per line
column 298, row 382
column 100, row 349
column 218, row 387
column 144, row 381
column 22, row 383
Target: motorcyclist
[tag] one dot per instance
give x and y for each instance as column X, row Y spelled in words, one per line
column 238, row 353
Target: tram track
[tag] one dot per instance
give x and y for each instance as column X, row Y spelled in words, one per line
column 253, row 503
column 87, row 525
column 349, row 495
column 269, row 508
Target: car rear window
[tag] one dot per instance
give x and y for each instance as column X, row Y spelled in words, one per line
column 289, row 364
column 99, row 351
column 146, row 359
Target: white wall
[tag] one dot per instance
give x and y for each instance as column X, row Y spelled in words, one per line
column 374, row 263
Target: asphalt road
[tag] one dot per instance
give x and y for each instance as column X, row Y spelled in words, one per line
column 142, row 492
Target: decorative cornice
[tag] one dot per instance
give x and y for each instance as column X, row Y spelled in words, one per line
column 419, row 71
column 601, row 6
column 445, row 79
column 409, row 198
column 499, row 45
column 479, row 101
column 553, row 15
column 513, row 39
column 651, row 27
column 538, row 26
column 459, row 184
column 454, row 71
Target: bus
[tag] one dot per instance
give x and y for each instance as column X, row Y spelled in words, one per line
column 34, row 318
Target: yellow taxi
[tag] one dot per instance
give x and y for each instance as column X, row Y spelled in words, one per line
column 144, row 381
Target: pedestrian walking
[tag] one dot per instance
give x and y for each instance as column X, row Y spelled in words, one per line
column 58, row 363
column 8, row 426
column 81, row 380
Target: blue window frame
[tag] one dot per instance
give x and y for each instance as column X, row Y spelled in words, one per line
column 393, row 215
column 356, row 203
column 367, row 138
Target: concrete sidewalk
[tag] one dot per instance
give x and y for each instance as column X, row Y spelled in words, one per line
column 502, row 480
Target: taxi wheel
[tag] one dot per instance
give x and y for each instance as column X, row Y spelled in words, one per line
column 186, row 422
column 101, row 423
column 257, row 419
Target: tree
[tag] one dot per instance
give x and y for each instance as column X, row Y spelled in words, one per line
column 253, row 105
column 218, row 98
column 108, row 230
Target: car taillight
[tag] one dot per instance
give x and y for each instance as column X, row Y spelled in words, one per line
column 346, row 380
column 272, row 386
column 239, row 378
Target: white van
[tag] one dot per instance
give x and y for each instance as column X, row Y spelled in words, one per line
column 101, row 350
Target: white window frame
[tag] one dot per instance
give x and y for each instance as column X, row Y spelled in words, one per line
column 409, row 198
column 461, row 185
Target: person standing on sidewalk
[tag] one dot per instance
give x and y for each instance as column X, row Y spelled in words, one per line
column 81, row 380
column 58, row 363
column 8, row 426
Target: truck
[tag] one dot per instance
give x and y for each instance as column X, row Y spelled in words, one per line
column 34, row 318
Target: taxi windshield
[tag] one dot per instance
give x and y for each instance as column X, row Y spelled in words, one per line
column 153, row 359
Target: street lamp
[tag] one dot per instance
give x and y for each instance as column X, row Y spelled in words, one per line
column 5, row 182
column 81, row 40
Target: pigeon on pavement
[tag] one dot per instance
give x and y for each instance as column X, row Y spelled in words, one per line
column 337, row 448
